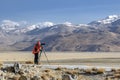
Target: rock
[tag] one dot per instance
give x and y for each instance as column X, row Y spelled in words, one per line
column 16, row 67
column 69, row 77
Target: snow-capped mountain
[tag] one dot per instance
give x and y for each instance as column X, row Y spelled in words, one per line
column 68, row 24
column 100, row 35
column 109, row 19
column 8, row 25
column 23, row 26
column 39, row 26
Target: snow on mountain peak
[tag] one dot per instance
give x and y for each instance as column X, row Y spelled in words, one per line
column 38, row 25
column 47, row 24
column 44, row 25
column 83, row 25
column 109, row 19
column 113, row 16
column 9, row 25
column 68, row 23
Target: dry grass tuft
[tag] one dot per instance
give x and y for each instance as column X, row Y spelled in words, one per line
column 117, row 71
column 59, row 68
column 116, row 75
column 22, row 78
column 100, row 70
column 89, row 71
column 108, row 78
column 80, row 77
column 1, row 63
column 47, row 70
column 29, row 62
column 59, row 79
column 16, row 77
column 94, row 69
column 113, row 70
column 72, row 72
column 51, row 75
column 44, row 77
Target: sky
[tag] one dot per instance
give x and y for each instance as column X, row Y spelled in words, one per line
column 58, row 11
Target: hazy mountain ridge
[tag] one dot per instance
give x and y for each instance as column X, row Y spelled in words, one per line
column 101, row 35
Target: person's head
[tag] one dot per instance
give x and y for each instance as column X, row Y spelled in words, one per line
column 38, row 42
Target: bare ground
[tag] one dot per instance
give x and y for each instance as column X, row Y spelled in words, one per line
column 70, row 58
column 91, row 59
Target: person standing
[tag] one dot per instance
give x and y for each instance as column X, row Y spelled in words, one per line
column 37, row 48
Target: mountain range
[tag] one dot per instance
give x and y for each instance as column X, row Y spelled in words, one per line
column 101, row 35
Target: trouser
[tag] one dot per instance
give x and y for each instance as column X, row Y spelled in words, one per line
column 36, row 58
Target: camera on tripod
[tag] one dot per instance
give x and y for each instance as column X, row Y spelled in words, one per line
column 42, row 43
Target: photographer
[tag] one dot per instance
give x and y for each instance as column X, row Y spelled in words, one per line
column 37, row 48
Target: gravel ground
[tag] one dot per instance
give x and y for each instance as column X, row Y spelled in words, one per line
column 58, row 72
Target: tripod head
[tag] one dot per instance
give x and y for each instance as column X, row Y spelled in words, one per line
column 42, row 43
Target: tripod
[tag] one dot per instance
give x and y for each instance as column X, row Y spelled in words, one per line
column 44, row 54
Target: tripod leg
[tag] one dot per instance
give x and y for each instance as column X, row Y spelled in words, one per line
column 39, row 56
column 46, row 57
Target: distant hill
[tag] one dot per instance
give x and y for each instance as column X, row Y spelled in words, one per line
column 102, row 35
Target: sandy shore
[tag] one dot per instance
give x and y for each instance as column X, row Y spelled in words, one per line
column 71, row 58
